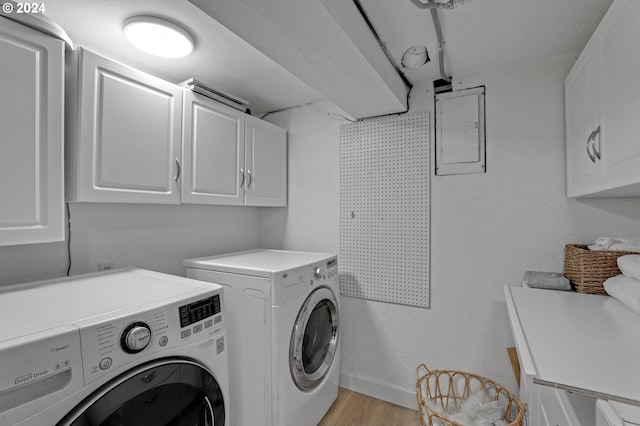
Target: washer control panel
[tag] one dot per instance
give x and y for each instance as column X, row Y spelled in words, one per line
column 113, row 343
column 135, row 337
column 199, row 310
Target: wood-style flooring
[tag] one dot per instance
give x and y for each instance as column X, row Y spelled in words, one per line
column 356, row 409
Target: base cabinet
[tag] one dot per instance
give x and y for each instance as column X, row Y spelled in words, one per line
column 611, row 413
column 31, row 121
column 558, row 407
column 548, row 406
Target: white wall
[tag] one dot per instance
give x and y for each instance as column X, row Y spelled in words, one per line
column 486, row 230
column 153, row 237
column 310, row 223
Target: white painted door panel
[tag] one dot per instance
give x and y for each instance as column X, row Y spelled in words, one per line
column 128, row 143
column 601, row 99
column 31, row 122
column 266, row 164
column 213, row 152
column 580, row 122
column 619, row 89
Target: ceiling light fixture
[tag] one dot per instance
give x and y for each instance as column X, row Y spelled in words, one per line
column 414, row 57
column 158, row 37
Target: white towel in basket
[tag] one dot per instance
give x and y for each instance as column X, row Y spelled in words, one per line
column 616, row 244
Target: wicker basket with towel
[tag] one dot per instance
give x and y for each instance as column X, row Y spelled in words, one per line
column 588, row 268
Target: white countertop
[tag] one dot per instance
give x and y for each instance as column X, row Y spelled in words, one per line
column 579, row 342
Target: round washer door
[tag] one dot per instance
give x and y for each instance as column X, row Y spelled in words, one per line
column 314, row 339
column 164, row 392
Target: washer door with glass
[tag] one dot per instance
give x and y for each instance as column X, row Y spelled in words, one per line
column 314, row 339
column 162, row 393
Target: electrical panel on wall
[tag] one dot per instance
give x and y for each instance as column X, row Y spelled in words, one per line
column 384, row 209
column 460, row 132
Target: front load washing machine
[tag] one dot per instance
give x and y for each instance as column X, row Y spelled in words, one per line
column 129, row 347
column 283, row 317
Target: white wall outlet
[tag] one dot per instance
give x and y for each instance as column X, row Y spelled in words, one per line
column 106, row 266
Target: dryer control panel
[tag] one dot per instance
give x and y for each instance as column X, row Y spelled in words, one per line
column 291, row 284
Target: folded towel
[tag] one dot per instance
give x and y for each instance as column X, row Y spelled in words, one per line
column 616, row 244
column 629, row 265
column 547, row 280
column 625, row 289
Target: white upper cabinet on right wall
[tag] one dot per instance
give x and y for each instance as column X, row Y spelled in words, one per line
column 602, row 109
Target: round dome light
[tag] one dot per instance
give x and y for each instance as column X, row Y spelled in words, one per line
column 158, row 37
column 415, row 57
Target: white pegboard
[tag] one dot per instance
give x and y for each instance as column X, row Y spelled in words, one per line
column 384, row 209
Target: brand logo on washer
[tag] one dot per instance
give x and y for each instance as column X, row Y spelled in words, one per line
column 61, row 348
column 30, row 376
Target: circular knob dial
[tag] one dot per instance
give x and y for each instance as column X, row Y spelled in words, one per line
column 316, row 272
column 135, row 337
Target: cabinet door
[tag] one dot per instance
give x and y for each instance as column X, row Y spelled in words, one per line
column 266, row 164
column 31, row 122
column 580, row 123
column 128, row 144
column 213, row 152
column 617, row 42
column 560, row 407
column 605, row 416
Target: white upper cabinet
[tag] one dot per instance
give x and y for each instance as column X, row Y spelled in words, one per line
column 619, row 64
column 213, row 152
column 602, row 106
column 265, row 164
column 231, row 158
column 31, row 122
column 124, row 133
column 580, row 117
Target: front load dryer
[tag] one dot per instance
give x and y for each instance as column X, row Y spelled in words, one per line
column 130, row 347
column 283, row 317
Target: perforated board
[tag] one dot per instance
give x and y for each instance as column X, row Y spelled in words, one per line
column 384, row 209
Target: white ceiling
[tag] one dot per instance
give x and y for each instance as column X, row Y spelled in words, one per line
column 483, row 34
column 221, row 59
column 283, row 53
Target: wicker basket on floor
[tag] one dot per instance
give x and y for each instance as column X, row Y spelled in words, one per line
column 442, row 391
column 589, row 269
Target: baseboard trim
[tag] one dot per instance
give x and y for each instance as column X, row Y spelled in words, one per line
column 384, row 391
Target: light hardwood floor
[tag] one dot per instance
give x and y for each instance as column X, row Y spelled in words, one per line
column 356, row 409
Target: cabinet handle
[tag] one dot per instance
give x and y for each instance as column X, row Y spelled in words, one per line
column 242, row 174
column 250, row 179
column 178, row 169
column 589, row 147
column 596, row 133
